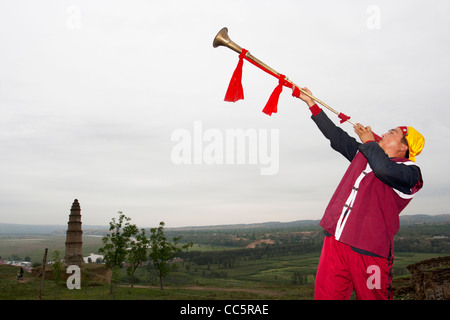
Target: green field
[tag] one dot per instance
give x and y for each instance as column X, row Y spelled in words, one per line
column 289, row 277
column 217, row 267
column 33, row 246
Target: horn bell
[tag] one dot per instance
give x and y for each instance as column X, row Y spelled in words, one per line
column 222, row 39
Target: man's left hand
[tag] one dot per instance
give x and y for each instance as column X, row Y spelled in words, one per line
column 364, row 133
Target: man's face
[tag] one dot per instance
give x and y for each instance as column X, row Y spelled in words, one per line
column 391, row 142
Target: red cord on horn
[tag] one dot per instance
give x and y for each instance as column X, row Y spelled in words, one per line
column 235, row 90
column 271, row 105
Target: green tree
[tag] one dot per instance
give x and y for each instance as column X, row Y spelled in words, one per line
column 115, row 244
column 137, row 253
column 56, row 267
column 56, row 271
column 163, row 251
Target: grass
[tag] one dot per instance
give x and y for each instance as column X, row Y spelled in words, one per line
column 91, row 289
column 268, row 279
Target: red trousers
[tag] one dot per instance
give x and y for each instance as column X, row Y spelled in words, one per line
column 342, row 270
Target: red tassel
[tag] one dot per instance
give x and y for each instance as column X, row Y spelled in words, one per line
column 343, row 117
column 271, row 105
column 235, row 91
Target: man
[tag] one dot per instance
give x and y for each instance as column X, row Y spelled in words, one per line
column 362, row 217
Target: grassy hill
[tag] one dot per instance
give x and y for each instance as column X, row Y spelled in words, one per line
column 10, row 228
column 263, row 279
column 219, row 266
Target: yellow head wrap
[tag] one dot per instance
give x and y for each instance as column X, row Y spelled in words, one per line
column 415, row 141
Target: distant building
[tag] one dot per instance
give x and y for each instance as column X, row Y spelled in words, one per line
column 74, row 241
column 93, row 258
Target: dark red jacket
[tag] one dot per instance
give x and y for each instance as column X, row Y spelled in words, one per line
column 364, row 210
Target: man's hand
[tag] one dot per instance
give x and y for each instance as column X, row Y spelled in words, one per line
column 364, row 133
column 310, row 102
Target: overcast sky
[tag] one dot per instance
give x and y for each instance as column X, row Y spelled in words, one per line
column 94, row 93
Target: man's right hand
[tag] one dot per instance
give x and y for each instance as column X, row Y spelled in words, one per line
column 309, row 101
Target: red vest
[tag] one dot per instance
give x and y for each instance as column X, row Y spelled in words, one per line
column 364, row 211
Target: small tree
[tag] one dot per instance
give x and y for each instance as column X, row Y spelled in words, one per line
column 56, row 267
column 163, row 251
column 116, row 244
column 137, row 253
column 56, row 270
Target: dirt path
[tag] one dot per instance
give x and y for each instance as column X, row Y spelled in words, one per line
column 273, row 293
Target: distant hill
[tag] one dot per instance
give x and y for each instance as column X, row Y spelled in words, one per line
column 262, row 225
column 12, row 228
column 9, row 228
column 424, row 219
column 404, row 220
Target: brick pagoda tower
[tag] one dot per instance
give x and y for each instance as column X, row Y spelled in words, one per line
column 74, row 241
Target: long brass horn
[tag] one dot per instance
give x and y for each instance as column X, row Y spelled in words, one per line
column 222, row 39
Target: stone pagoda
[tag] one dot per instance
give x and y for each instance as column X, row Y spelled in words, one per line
column 74, row 241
